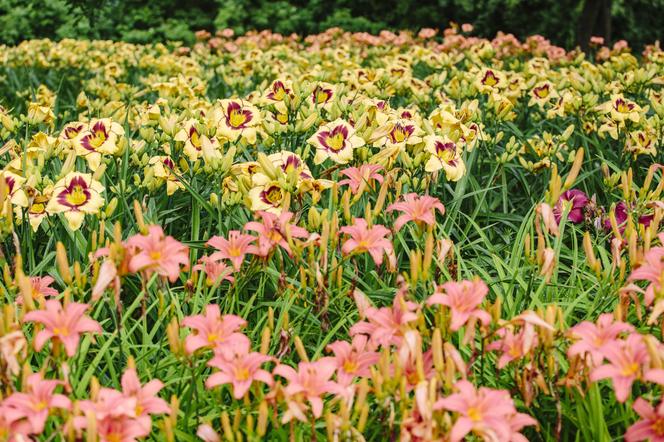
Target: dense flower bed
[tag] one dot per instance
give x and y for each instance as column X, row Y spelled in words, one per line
column 350, row 237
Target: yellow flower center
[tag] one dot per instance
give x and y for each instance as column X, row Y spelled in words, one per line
column 630, row 369
column 279, row 94
column 336, row 142
column 622, row 107
column 98, row 139
column 235, row 251
column 77, row 196
column 37, row 208
column 63, row 332
column 242, row 374
column 490, row 79
column 447, row 155
column 114, row 437
column 39, row 406
column 282, row 118
column 273, row 195
column 322, row 97
column 155, row 255
column 398, row 135
column 542, row 92
column 658, row 427
column 212, row 337
column 474, row 414
column 237, row 118
column 350, row 366
column 195, row 140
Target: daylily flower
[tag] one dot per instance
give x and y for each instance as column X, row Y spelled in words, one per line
column 386, row 325
column 336, row 141
column 621, row 109
column 576, row 201
column 463, row 299
column 323, row 95
column 486, row 412
column 420, row 209
column 267, row 194
column 360, row 177
column 628, row 361
column 158, row 253
column 277, row 93
column 275, row 231
column 115, row 417
column 147, row 401
column 101, row 137
column 37, row 210
column 14, row 188
column 31, row 408
column 652, row 271
column 594, row 339
column 76, row 195
column 400, row 133
column 215, row 270
column 239, row 119
column 194, row 141
column 489, row 80
column 213, row 330
column 366, row 239
column 239, row 367
column 65, row 324
column 514, row 346
column 13, row 347
column 446, row 155
column 312, row 380
column 235, row 248
column 353, row 359
column 650, row 427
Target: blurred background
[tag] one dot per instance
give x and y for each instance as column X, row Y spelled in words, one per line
column 565, row 22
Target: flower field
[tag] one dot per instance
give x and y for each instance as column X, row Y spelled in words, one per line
column 348, row 237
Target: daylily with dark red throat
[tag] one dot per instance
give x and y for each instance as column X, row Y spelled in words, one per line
column 76, row 195
column 238, row 119
column 446, row 155
column 336, row 141
column 100, row 138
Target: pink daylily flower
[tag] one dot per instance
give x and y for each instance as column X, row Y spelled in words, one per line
column 358, row 178
column 420, row 209
column 239, row 367
column 62, row 323
column 514, row 346
column 463, row 299
column 275, row 230
column 652, row 271
column 312, row 379
column 158, row 253
column 235, row 248
column 213, row 330
column 30, row 410
column 650, row 427
column 115, row 415
column 593, row 339
column 147, row 401
column 387, row 325
column 364, row 239
column 215, row 271
column 353, row 359
column 486, row 412
column 628, row 361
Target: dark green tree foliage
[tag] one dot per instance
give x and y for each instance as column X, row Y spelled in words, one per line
column 562, row 21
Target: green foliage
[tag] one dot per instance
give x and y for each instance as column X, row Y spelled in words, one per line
column 138, row 21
